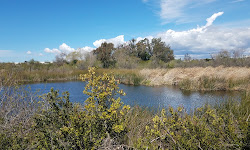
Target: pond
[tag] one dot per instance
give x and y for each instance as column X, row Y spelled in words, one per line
column 156, row 97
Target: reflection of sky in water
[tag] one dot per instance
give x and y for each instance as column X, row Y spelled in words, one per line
column 160, row 96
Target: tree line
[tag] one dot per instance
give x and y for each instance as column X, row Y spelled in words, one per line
column 147, row 53
column 123, row 56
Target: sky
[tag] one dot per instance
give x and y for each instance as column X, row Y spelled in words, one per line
column 41, row 29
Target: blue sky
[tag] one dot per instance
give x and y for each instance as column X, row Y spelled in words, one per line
column 41, row 29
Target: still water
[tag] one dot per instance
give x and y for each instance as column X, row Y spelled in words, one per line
column 160, row 96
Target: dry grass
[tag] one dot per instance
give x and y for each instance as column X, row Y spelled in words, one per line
column 236, row 78
column 125, row 76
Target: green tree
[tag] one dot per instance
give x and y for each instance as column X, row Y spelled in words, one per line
column 162, row 51
column 60, row 59
column 132, row 47
column 143, row 49
column 104, row 54
column 124, row 59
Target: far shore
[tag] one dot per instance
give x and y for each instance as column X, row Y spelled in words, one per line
column 194, row 79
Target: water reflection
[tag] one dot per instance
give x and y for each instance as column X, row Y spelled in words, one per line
column 160, row 96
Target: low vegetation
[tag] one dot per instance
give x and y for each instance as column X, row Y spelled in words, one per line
column 51, row 121
column 200, row 78
column 142, row 62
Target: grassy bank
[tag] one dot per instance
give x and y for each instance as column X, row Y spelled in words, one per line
column 199, row 78
column 196, row 78
column 125, row 76
column 43, row 76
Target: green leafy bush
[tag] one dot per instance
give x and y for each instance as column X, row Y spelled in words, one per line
column 99, row 123
column 225, row 126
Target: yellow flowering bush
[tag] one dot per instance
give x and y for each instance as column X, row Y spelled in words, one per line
column 103, row 107
column 205, row 129
column 99, row 122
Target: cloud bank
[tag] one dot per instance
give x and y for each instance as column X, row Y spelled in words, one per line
column 116, row 41
column 200, row 41
column 207, row 39
column 54, row 50
column 64, row 48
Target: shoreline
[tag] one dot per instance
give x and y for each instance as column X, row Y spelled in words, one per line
column 200, row 79
column 189, row 79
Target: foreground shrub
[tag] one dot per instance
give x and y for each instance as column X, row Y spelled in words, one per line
column 103, row 122
column 17, row 107
column 99, row 123
column 223, row 127
column 104, row 109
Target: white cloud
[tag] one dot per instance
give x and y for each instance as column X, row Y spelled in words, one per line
column 62, row 48
column 28, row 52
column 207, row 39
column 65, row 48
column 200, row 41
column 79, row 53
column 212, row 19
column 177, row 10
column 116, row 41
column 172, row 9
column 85, row 49
column 142, row 38
column 54, row 50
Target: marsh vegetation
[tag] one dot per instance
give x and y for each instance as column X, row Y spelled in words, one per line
column 29, row 120
column 52, row 121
